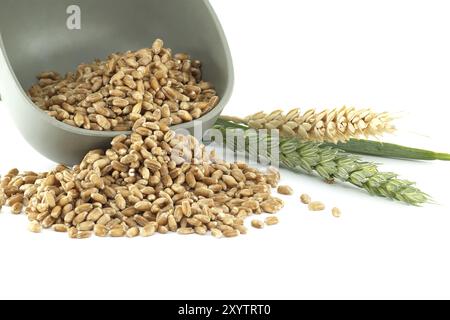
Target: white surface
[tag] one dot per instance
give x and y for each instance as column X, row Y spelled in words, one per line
column 389, row 55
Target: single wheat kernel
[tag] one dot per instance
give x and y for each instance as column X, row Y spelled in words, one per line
column 316, row 206
column 17, row 208
column 86, row 226
column 73, row 233
column 172, row 223
column 35, row 227
column 216, row 233
column 18, row 198
column 258, row 224
column 133, row 232
column 241, row 229
column 305, row 199
column 100, row 231
column 201, row 230
column 186, row 231
column 271, row 206
column 336, row 212
column 285, row 190
column 60, row 228
column 163, row 230
column 117, row 232
column 84, row 235
column 271, row 221
column 148, row 231
column 231, row 233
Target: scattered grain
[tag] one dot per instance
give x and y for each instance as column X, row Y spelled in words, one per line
column 60, row 228
column 35, row 227
column 316, row 206
column 305, row 199
column 17, row 208
column 270, row 221
column 285, row 190
column 258, row 224
column 336, row 212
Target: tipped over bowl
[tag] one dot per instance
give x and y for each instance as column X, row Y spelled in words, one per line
column 36, row 36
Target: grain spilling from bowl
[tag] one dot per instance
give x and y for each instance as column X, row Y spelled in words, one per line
column 111, row 95
column 152, row 181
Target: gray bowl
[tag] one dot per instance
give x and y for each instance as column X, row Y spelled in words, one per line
column 34, row 37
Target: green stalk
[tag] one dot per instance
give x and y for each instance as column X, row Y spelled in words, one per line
column 389, row 150
column 331, row 163
column 368, row 147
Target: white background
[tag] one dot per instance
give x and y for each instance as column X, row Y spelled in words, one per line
column 389, row 55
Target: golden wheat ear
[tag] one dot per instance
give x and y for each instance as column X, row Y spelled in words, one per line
column 337, row 125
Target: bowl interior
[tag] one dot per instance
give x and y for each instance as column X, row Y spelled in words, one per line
column 36, row 36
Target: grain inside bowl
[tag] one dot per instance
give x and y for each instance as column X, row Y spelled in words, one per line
column 111, row 94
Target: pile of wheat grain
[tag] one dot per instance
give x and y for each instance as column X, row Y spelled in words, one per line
column 111, row 95
column 150, row 181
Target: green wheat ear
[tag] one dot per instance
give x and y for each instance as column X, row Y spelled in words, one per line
column 331, row 163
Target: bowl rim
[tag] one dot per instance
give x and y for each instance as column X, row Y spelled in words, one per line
column 215, row 112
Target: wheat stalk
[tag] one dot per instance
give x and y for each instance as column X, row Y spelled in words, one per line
column 338, row 125
column 331, row 164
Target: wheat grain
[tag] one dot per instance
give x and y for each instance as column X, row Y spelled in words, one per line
column 305, row 199
column 114, row 93
column 336, row 212
column 186, row 231
column 231, row 233
column 17, row 208
column 285, row 190
column 258, row 224
column 84, row 234
column 136, row 184
column 86, row 226
column 133, row 232
column 117, row 232
column 35, row 227
column 148, row 231
column 73, row 233
column 60, row 228
column 100, row 230
column 216, row 233
column 270, row 221
column 316, row 206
